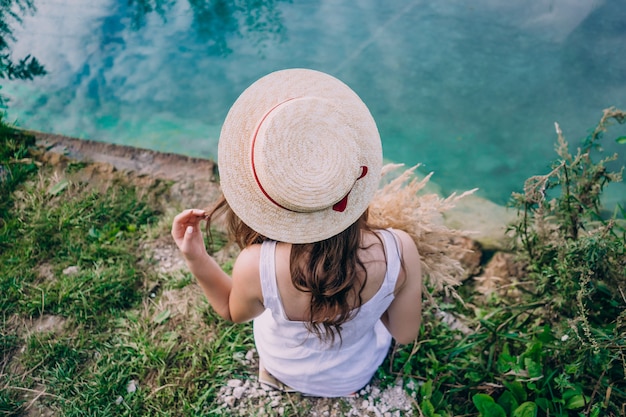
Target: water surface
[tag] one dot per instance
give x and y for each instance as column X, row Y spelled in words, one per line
column 469, row 89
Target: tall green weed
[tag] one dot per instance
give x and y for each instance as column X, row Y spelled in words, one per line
column 559, row 347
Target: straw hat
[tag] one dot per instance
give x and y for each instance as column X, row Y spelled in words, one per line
column 299, row 156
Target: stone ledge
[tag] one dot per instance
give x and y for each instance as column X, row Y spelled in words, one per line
column 127, row 158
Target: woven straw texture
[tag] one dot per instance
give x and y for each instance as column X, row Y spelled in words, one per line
column 293, row 145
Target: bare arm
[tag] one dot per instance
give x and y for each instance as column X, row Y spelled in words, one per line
column 237, row 299
column 403, row 318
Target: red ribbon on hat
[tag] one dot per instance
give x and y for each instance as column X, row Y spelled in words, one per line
column 256, row 132
column 341, row 205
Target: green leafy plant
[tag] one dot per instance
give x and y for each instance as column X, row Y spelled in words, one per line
column 558, row 348
column 576, row 257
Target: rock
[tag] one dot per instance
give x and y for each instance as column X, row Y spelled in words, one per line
column 487, row 220
column 54, row 158
column 500, row 275
column 234, row 383
column 71, row 270
column 469, row 253
column 238, row 392
column 131, row 387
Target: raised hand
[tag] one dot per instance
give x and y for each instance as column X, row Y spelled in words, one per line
column 187, row 235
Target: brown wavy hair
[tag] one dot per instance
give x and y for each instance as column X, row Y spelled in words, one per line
column 329, row 270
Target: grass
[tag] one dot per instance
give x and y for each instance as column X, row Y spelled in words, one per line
column 90, row 326
column 70, row 253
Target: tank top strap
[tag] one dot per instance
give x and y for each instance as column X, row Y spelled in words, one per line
column 267, row 271
column 394, row 257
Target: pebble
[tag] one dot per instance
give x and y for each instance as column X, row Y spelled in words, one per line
column 234, row 383
column 71, row 270
column 132, row 386
column 238, row 392
column 242, row 394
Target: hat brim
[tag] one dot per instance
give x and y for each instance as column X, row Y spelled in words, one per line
column 234, row 161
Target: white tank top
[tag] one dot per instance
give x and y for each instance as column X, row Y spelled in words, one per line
column 300, row 360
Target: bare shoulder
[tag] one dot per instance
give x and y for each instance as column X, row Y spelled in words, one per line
column 246, row 266
column 407, row 245
column 248, row 259
column 246, row 297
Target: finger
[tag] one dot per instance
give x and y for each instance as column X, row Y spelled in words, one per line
column 190, row 216
column 198, row 212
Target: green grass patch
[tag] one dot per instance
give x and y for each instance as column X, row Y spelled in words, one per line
column 93, row 233
column 72, row 250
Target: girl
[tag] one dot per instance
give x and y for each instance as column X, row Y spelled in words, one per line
column 300, row 159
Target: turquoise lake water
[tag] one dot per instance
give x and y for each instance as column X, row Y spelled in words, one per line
column 469, row 89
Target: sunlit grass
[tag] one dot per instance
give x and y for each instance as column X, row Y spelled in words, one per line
column 126, row 340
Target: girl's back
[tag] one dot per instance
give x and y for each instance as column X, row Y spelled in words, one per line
column 296, row 302
column 302, row 360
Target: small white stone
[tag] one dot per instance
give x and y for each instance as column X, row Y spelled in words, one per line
column 373, row 409
column 71, row 270
column 238, row 392
column 132, row 386
column 365, row 404
column 234, row 383
column 229, row 401
column 275, row 403
column 119, row 400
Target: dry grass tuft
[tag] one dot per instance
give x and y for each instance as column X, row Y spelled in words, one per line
column 403, row 204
